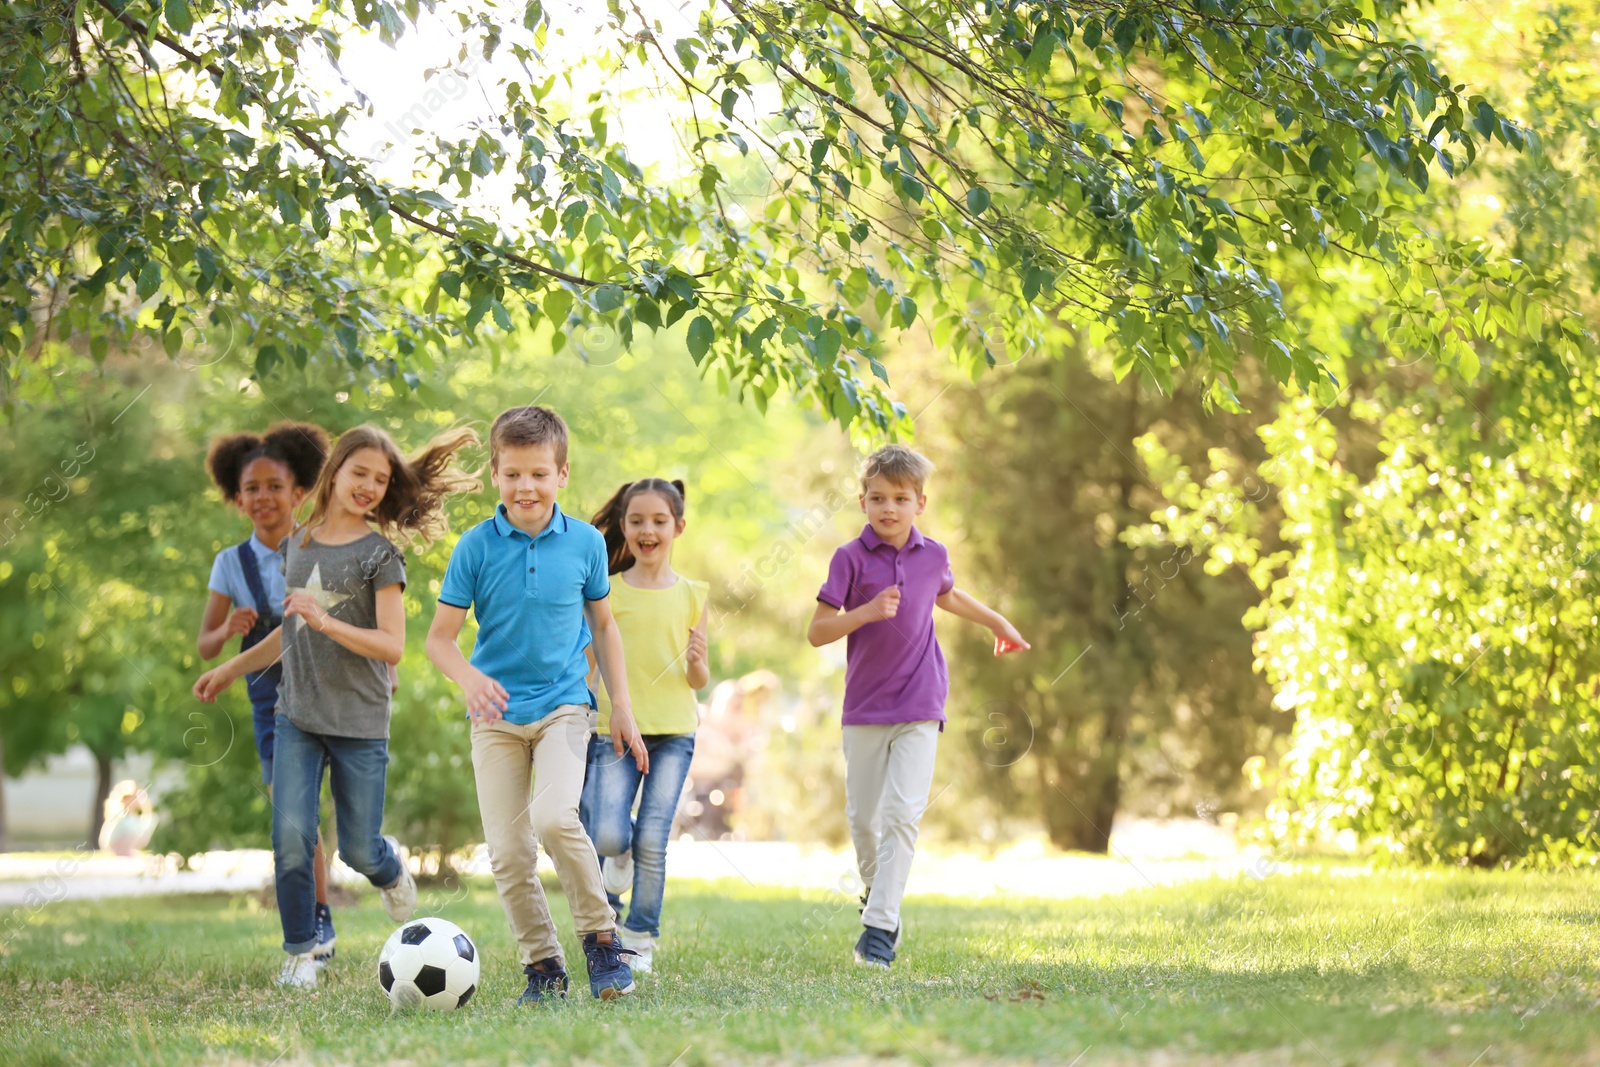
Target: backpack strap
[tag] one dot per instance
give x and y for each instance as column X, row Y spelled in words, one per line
column 258, row 588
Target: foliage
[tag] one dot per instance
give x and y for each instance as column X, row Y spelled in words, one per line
column 1431, row 615
column 177, row 168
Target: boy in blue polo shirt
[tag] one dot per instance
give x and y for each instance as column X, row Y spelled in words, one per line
column 537, row 580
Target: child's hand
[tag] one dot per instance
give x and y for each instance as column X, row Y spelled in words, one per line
column 625, row 737
column 697, row 647
column 885, row 605
column 487, row 699
column 212, row 683
column 305, row 605
column 242, row 621
column 1007, row 639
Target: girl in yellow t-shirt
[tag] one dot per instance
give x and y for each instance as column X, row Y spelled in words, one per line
column 662, row 618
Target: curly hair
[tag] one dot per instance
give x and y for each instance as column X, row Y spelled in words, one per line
column 412, row 507
column 299, row 446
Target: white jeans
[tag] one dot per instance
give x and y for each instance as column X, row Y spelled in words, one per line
column 888, row 772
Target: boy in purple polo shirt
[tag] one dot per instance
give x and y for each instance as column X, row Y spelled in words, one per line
column 881, row 590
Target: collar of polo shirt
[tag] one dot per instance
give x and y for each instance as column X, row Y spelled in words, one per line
column 870, row 538
column 504, row 527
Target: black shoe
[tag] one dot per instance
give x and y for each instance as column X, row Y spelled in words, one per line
column 547, row 978
column 876, row 947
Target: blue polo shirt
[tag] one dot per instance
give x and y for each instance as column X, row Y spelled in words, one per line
column 528, row 594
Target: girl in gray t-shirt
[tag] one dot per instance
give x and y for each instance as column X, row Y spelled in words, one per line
column 344, row 621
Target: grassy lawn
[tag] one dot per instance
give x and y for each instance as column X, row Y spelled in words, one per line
column 1466, row 969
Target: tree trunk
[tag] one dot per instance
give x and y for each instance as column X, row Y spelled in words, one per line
column 102, row 790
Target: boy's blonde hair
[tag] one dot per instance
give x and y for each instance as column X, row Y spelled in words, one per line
column 899, row 465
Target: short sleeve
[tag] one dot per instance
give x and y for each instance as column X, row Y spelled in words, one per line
column 388, row 567
column 947, row 580
column 460, row 575
column 597, row 585
column 219, row 576
column 699, row 595
column 837, row 587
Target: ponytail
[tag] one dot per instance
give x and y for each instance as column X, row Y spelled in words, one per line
column 608, row 520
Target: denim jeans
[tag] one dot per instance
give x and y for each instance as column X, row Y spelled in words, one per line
column 358, row 766
column 606, row 809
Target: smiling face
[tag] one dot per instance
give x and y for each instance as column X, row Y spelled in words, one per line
column 268, row 496
column 650, row 527
column 891, row 508
column 362, row 481
column 528, row 478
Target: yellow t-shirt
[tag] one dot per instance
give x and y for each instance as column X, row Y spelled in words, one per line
column 655, row 625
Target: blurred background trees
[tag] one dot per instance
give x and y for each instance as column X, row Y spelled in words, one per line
column 1345, row 583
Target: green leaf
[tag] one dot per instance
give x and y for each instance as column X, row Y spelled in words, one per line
column 557, row 305
column 149, row 279
column 434, row 200
column 701, row 334
column 907, row 311
column 1468, row 364
column 647, row 312
column 288, row 206
column 977, row 200
column 1044, row 47
column 179, row 17
column 1535, row 320
column 481, row 164
column 502, row 317
column 607, row 298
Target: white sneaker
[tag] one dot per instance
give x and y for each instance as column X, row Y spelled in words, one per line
column 617, row 873
column 400, row 899
column 299, row 972
column 643, row 947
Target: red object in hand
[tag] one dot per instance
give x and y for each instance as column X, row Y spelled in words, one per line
column 1002, row 646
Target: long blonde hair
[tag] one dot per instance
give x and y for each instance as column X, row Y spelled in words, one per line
column 412, row 508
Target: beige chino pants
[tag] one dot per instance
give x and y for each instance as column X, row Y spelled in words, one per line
column 888, row 772
column 552, row 751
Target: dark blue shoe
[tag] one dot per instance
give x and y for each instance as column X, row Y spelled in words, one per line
column 323, row 950
column 546, row 979
column 876, row 947
column 609, row 975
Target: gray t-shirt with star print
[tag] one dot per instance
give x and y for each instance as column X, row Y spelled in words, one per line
column 328, row 689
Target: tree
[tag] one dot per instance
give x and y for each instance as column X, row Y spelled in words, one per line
column 1134, row 168
column 1139, row 692
column 1430, row 616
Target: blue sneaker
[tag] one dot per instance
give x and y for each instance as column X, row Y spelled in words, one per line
column 547, row 978
column 323, row 952
column 876, row 947
column 609, row 975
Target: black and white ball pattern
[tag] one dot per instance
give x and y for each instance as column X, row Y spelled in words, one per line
column 429, row 963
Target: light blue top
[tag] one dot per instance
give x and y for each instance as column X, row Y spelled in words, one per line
column 227, row 576
column 528, row 594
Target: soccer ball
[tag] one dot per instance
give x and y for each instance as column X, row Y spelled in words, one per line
column 429, row 963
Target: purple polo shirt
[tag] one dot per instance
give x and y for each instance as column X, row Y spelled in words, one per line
column 895, row 669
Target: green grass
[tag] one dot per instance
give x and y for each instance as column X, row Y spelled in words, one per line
column 1456, row 968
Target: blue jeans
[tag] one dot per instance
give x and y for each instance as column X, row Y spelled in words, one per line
column 609, row 788
column 358, row 767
